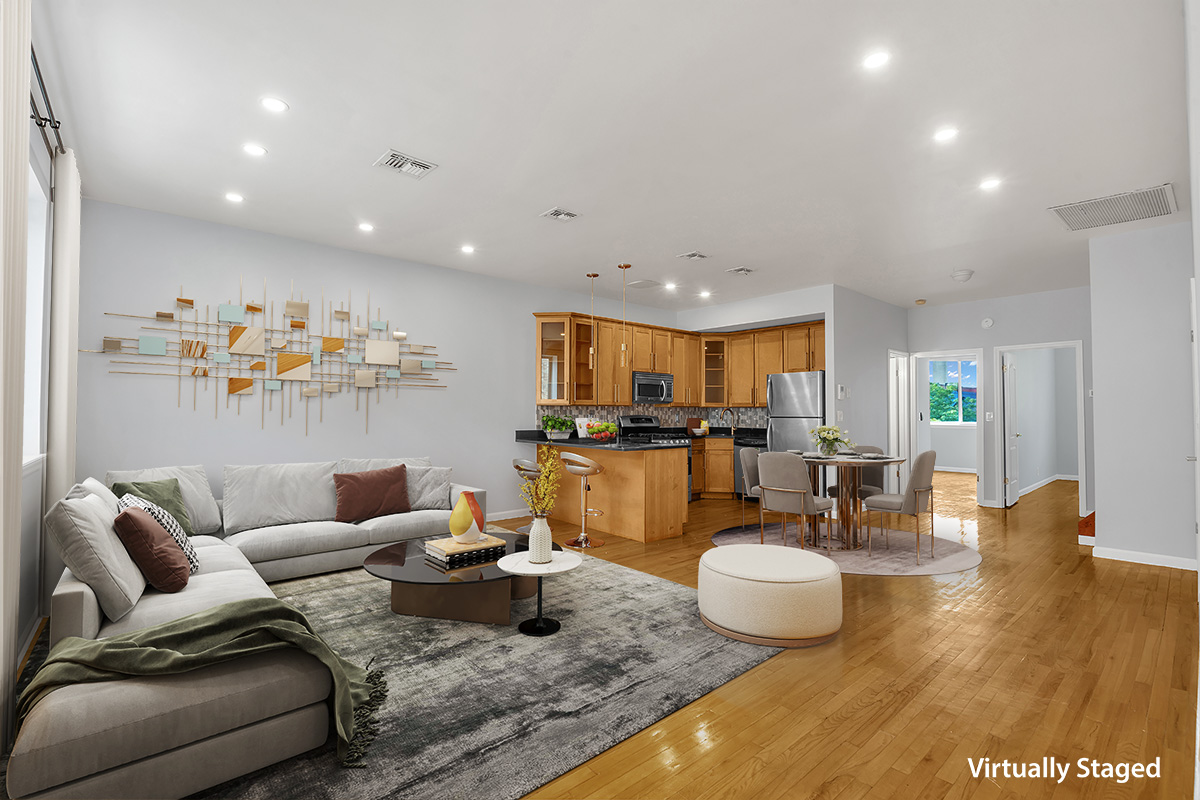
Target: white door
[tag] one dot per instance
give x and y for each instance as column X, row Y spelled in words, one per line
column 1012, row 434
column 898, row 420
column 1195, row 415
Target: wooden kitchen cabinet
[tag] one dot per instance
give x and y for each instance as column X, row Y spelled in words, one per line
column 816, row 346
column 718, row 468
column 740, row 370
column 583, row 362
column 553, row 366
column 768, row 360
column 698, row 470
column 693, row 369
column 713, row 363
column 796, row 354
column 641, row 348
column 660, row 351
column 612, row 381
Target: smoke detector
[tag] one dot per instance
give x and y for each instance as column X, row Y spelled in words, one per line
column 1157, row 201
column 962, row 275
column 560, row 214
column 692, row 256
column 407, row 165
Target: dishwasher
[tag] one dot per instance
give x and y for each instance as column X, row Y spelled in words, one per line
column 739, row 444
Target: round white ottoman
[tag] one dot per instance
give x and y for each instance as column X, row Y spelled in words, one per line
column 768, row 594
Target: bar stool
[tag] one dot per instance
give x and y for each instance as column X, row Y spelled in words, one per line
column 527, row 469
column 584, row 468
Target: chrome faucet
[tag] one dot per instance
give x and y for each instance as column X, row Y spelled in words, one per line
column 732, row 413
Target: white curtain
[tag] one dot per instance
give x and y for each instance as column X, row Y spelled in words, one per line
column 14, row 172
column 64, row 354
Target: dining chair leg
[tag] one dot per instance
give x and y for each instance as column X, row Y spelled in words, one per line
column 743, row 509
column 760, row 523
column 931, row 524
column 783, row 524
column 800, row 535
column 868, row 513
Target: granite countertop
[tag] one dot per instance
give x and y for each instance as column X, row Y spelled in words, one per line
column 537, row 436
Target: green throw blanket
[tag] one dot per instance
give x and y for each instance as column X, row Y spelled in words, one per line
column 239, row 628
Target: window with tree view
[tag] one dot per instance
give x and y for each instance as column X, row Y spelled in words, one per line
column 952, row 389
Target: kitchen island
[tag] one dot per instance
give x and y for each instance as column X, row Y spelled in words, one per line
column 643, row 490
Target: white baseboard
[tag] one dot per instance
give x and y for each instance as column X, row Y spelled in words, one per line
column 520, row 512
column 954, row 469
column 991, row 503
column 1153, row 559
column 1087, row 541
column 1049, row 481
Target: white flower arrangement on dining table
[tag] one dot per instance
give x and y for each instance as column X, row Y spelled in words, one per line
column 828, row 438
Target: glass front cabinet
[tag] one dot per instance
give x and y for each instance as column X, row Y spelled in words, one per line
column 552, row 364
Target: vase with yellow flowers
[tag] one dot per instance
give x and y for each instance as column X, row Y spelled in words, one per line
column 539, row 493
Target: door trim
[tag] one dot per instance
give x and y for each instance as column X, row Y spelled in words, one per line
column 959, row 352
column 1085, row 478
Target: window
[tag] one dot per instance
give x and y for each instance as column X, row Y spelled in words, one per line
column 33, row 439
column 952, row 389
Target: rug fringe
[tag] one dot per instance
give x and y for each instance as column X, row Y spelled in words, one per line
column 366, row 728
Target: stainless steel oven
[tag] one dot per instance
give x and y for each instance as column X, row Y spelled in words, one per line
column 654, row 388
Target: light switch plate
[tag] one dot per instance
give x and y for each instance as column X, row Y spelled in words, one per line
column 841, row 391
column 840, row 416
column 988, row 416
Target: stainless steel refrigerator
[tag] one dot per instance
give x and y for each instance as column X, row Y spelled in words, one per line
column 795, row 405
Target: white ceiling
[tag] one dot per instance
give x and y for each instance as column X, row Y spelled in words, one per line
column 747, row 131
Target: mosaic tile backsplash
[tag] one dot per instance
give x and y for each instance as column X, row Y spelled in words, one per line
column 669, row 416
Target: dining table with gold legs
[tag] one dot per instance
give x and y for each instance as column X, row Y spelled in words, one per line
column 849, row 481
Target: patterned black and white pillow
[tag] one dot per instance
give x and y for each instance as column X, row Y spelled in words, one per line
column 169, row 524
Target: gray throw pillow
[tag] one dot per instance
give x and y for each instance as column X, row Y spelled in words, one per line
column 429, row 488
column 82, row 527
column 193, row 483
column 345, row 465
column 278, row 494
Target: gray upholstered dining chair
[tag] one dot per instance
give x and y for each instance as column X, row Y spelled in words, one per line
column 917, row 498
column 872, row 476
column 749, row 456
column 784, row 486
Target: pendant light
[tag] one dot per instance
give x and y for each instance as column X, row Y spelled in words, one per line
column 623, row 268
column 592, row 344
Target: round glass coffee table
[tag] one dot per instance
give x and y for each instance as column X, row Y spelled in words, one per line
column 519, row 564
column 478, row 593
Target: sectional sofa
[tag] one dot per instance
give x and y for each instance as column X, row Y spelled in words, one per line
column 170, row 736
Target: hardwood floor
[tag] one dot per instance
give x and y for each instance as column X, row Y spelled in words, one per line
column 1040, row 651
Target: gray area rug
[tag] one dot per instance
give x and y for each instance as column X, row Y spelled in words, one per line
column 899, row 559
column 483, row 711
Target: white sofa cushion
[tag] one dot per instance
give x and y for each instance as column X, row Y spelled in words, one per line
column 93, row 486
column 278, row 494
column 369, row 464
column 412, row 525
column 204, row 591
column 297, row 539
column 193, row 484
column 82, row 527
column 429, row 487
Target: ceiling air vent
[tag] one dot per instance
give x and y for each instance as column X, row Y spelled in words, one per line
column 692, row 256
column 740, row 270
column 398, row 162
column 560, row 214
column 1158, row 201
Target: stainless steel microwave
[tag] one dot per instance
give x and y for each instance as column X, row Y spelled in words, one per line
column 655, row 388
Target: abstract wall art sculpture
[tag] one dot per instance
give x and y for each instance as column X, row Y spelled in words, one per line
column 306, row 355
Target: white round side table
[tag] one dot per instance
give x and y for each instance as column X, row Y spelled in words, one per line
column 519, row 564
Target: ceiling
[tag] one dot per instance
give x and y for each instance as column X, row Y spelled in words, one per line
column 747, row 131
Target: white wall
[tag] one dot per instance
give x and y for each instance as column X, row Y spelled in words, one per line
column 1036, row 421
column 1062, row 315
column 955, row 445
column 865, row 329
column 1145, row 510
column 1066, row 413
column 134, row 261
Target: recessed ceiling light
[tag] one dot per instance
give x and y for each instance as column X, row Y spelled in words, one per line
column 706, row 293
column 989, row 183
column 234, row 197
column 945, row 134
column 366, row 227
column 467, row 248
column 254, row 149
column 274, row 104
column 669, row 286
column 920, row 301
column 876, row 60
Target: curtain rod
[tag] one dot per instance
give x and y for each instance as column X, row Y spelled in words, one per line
column 49, row 119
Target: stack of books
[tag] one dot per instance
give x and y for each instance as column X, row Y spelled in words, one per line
column 452, row 555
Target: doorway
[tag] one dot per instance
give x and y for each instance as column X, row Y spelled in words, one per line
column 898, row 420
column 944, row 406
column 1041, row 435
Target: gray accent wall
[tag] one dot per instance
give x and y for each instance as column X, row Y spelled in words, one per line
column 1145, row 506
column 865, row 329
column 1057, row 316
column 135, row 261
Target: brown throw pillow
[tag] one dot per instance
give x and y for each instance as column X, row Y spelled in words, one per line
column 157, row 555
column 364, row 495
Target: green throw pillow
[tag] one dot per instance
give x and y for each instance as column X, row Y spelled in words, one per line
column 165, row 494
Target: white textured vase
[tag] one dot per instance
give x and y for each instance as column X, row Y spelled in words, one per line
column 539, row 541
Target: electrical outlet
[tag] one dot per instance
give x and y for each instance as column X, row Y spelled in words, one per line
column 841, row 416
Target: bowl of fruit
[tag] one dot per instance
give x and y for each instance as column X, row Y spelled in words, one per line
column 602, row 431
